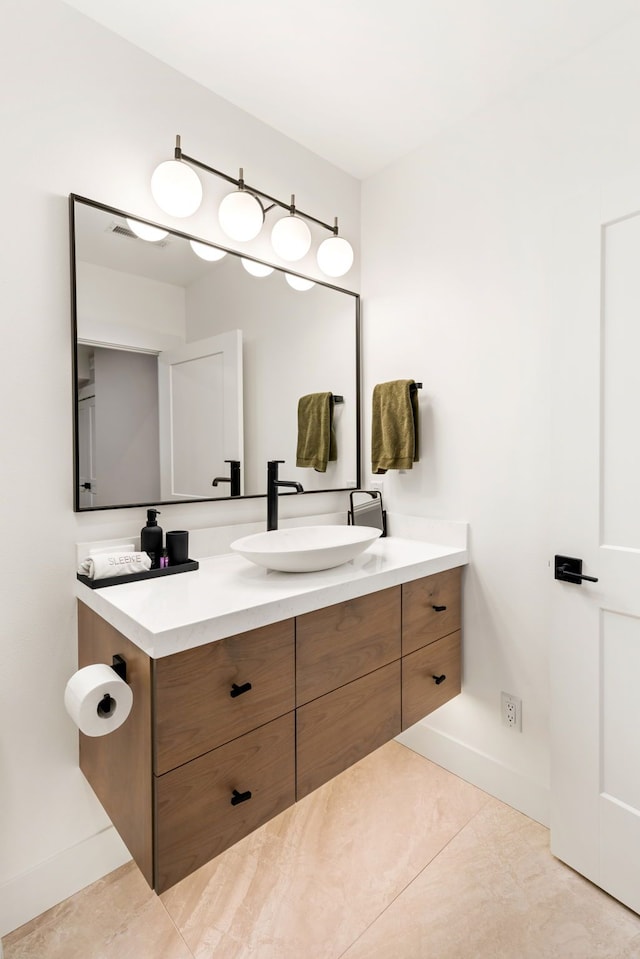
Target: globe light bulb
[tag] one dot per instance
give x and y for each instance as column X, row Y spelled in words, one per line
column 298, row 282
column 206, row 252
column 256, row 269
column 291, row 238
column 146, row 232
column 335, row 256
column 241, row 215
column 176, row 188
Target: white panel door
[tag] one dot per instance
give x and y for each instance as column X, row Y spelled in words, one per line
column 595, row 640
column 200, row 412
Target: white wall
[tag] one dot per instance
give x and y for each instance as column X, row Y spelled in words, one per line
column 121, row 309
column 456, row 261
column 85, row 112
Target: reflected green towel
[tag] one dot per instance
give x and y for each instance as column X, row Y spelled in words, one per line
column 394, row 426
column 316, row 438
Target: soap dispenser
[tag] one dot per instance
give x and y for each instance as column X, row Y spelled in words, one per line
column 151, row 538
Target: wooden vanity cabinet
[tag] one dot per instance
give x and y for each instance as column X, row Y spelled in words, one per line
column 209, row 695
column 430, row 677
column 343, row 726
column 210, row 803
column 340, row 643
column 224, row 736
column 431, row 661
column 347, row 684
column 118, row 766
column 196, row 739
column 431, row 608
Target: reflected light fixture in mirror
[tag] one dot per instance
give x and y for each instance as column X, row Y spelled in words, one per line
column 144, row 231
column 242, row 214
column 255, row 268
column 206, row 252
column 298, row 282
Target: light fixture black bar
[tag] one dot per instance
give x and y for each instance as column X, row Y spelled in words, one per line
column 179, row 155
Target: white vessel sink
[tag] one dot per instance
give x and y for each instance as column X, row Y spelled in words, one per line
column 304, row 549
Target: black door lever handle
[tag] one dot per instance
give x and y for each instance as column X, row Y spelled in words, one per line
column 569, row 570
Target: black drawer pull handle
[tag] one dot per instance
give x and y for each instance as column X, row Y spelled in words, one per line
column 239, row 690
column 439, row 609
column 237, row 797
column 439, row 679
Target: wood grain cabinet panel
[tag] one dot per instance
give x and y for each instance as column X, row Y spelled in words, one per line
column 430, row 677
column 195, row 818
column 338, row 644
column 195, row 710
column 430, row 609
column 118, row 765
column 341, row 727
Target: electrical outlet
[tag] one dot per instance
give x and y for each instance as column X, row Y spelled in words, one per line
column 511, row 711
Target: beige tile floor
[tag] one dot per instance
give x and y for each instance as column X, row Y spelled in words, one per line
column 395, row 859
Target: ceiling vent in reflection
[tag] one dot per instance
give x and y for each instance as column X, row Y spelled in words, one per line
column 120, row 230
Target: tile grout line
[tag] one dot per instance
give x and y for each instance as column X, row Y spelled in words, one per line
column 344, row 954
column 175, row 926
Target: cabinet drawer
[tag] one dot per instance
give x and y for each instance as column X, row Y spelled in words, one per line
column 338, row 644
column 338, row 729
column 195, row 819
column 430, row 609
column 420, row 692
column 194, row 708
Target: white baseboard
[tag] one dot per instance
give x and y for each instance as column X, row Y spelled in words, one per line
column 481, row 770
column 32, row 893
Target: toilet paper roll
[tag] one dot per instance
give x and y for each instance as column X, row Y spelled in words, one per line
column 97, row 699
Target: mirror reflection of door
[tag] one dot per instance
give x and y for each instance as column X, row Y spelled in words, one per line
column 200, row 406
column 86, row 452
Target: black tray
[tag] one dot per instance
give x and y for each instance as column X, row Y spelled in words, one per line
column 133, row 577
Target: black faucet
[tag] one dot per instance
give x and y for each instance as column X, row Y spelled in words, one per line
column 272, row 492
column 234, row 479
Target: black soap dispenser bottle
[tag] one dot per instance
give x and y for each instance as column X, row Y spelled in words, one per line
column 151, row 538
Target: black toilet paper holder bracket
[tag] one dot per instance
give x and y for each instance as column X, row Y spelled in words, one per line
column 119, row 666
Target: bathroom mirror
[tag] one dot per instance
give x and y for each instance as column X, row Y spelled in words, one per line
column 188, row 371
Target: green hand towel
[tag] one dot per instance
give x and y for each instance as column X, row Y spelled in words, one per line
column 394, row 426
column 316, row 438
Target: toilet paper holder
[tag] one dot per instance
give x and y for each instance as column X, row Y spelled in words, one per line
column 107, row 703
column 119, row 666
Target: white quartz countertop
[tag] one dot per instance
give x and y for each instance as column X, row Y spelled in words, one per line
column 230, row 595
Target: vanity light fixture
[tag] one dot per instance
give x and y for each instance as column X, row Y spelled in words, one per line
column 291, row 237
column 298, row 282
column 255, row 268
column 335, row 255
column 206, row 252
column 144, row 231
column 176, row 188
column 242, row 213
